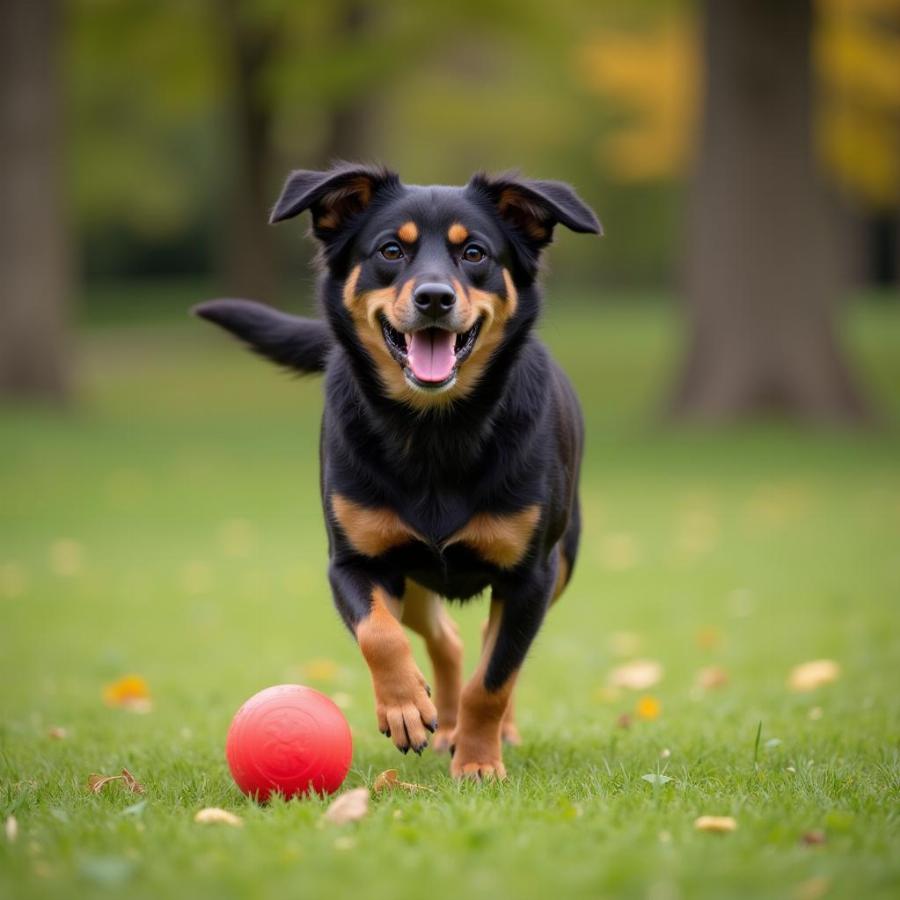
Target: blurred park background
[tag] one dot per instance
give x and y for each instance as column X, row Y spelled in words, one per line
column 159, row 510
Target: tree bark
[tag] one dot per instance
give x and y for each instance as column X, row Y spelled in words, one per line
column 763, row 270
column 249, row 264
column 34, row 258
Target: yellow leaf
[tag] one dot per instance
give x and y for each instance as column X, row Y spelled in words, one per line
column 637, row 675
column 716, row 824
column 648, row 708
column 11, row 828
column 811, row 675
column 390, row 781
column 130, row 692
column 212, row 815
column 96, row 783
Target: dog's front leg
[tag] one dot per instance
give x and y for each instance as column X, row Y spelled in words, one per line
column 517, row 610
column 370, row 605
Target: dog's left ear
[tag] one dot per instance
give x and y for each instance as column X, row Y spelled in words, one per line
column 333, row 197
column 533, row 208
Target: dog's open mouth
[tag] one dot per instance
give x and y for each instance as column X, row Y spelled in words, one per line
column 430, row 357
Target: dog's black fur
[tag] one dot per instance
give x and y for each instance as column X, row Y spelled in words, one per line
column 436, row 457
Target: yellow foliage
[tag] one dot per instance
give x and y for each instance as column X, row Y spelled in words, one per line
column 653, row 76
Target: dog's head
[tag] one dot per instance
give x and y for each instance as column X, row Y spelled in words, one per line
column 430, row 281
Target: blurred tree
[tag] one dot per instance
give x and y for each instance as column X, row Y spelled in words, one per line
column 251, row 40
column 34, row 257
column 761, row 267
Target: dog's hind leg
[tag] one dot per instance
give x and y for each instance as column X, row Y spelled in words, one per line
column 424, row 613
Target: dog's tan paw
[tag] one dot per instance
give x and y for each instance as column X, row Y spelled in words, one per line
column 480, row 770
column 405, row 712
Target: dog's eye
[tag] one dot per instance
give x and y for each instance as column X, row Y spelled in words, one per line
column 391, row 251
column 473, row 253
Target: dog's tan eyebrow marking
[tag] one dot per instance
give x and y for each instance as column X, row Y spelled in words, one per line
column 371, row 531
column 501, row 540
column 457, row 233
column 408, row 232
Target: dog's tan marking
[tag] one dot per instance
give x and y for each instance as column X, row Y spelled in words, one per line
column 457, row 233
column 338, row 204
column 479, row 753
column 424, row 612
column 408, row 232
column 523, row 214
column 402, row 704
column 365, row 307
column 372, row 532
column 501, row 540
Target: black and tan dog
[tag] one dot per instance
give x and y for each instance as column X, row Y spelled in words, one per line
column 451, row 441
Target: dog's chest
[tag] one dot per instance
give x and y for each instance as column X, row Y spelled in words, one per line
column 500, row 539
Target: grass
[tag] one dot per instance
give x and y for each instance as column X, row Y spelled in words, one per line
column 170, row 526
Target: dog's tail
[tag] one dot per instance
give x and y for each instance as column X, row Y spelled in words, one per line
column 291, row 341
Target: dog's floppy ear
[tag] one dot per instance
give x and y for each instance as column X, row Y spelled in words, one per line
column 533, row 208
column 333, row 197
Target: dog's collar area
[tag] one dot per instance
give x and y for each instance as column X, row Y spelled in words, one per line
column 398, row 346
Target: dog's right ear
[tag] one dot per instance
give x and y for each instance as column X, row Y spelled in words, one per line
column 334, row 197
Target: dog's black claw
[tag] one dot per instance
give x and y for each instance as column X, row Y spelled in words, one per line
column 403, row 750
column 386, row 732
column 419, row 748
column 452, row 750
column 428, row 689
column 432, row 726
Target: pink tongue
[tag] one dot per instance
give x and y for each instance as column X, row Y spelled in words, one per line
column 431, row 355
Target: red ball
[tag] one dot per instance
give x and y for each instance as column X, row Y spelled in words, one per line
column 289, row 739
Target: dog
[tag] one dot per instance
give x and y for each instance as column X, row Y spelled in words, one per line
column 451, row 441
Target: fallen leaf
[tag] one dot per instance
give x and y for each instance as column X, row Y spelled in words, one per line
column 813, row 888
column 624, row 721
column 665, row 753
column 811, row 675
column 709, row 637
column 655, row 779
column 390, row 781
column 66, row 557
column 320, row 670
column 711, row 677
column 637, row 675
column 11, row 827
column 349, row 807
column 624, row 643
column 648, row 708
column 813, row 838
column 716, row 824
column 212, row 815
column 96, row 783
column 57, row 733
column 130, row 692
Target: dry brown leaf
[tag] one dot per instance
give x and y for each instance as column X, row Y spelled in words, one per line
column 58, row 733
column 813, row 838
column 349, row 807
column 716, row 824
column 810, row 675
column 637, row 675
column 212, row 815
column 711, row 677
column 11, row 827
column 390, row 781
column 96, row 783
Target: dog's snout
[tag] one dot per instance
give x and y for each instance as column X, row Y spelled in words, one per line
column 434, row 299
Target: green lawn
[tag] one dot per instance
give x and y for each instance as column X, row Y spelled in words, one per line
column 169, row 526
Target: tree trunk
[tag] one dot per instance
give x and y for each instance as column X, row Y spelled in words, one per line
column 349, row 135
column 249, row 266
column 762, row 267
column 34, row 262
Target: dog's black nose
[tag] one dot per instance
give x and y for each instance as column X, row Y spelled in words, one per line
column 434, row 299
